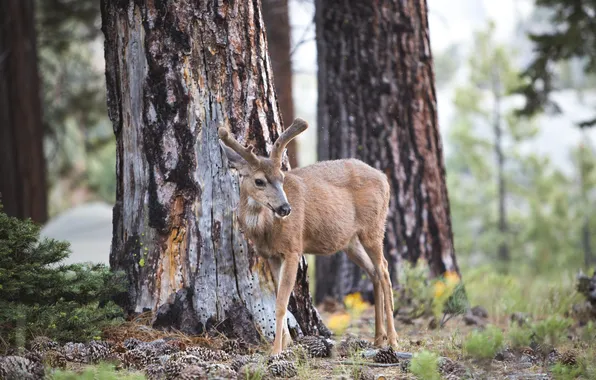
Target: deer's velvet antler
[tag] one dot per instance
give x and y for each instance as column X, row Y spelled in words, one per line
column 297, row 127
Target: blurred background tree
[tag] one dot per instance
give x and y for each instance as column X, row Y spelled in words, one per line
column 22, row 163
column 79, row 141
column 567, row 42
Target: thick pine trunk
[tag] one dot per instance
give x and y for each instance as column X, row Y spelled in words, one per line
column 377, row 102
column 22, row 162
column 175, row 72
column 277, row 22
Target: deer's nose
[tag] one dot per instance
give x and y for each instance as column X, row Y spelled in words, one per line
column 284, row 210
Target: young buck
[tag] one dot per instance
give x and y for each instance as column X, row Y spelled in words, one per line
column 320, row 209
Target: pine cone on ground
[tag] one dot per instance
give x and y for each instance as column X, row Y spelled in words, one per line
column 351, row 345
column 131, row 343
column 20, row 368
column 193, row 372
column 386, row 355
column 43, row 343
column 234, row 346
column 317, row 347
column 287, row 355
column 76, row 352
column 190, row 360
column 282, row 368
column 173, row 369
column 98, row 351
column 207, row 354
column 55, row 359
column 136, row 359
column 242, row 360
column 155, row 372
column 450, row 367
column 568, row 358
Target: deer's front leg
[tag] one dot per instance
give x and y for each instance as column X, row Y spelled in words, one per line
column 287, row 280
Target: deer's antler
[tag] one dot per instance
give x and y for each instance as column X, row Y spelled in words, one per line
column 297, row 127
column 246, row 153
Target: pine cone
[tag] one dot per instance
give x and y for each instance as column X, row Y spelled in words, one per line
column 386, row 355
column 136, row 359
column 173, row 369
column 55, row 359
column 242, row 360
column 207, row 354
column 131, row 343
column 282, row 368
column 317, row 347
column 351, row 345
column 235, row 347
column 190, row 360
column 287, row 355
column 450, row 367
column 155, row 372
column 568, row 358
column 43, row 343
column 98, row 351
column 76, row 352
column 193, row 372
column 20, row 368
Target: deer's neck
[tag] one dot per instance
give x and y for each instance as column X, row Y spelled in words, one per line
column 256, row 220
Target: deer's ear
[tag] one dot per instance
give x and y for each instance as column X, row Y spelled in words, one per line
column 234, row 160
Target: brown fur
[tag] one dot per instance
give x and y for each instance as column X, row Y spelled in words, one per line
column 335, row 205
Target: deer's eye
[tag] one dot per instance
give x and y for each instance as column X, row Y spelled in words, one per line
column 259, row 182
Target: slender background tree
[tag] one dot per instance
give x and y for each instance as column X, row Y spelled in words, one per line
column 22, row 161
column 175, row 73
column 377, row 102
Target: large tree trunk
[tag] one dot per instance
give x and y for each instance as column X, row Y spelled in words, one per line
column 175, row 72
column 22, row 162
column 377, row 102
column 277, row 21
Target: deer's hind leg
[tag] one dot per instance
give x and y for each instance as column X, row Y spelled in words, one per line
column 374, row 248
column 358, row 255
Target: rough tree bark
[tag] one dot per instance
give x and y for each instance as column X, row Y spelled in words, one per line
column 277, row 22
column 175, row 72
column 22, row 162
column 377, row 102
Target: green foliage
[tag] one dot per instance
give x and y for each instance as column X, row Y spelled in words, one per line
column 566, row 372
column 484, row 344
column 425, row 365
column 441, row 297
column 38, row 295
column 504, row 294
column 545, row 210
column 100, row 372
column 519, row 336
column 551, row 331
column 566, row 42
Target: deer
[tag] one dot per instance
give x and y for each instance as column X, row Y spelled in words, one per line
column 321, row 209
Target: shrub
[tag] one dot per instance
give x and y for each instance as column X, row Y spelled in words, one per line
column 551, row 331
column 484, row 344
column 566, row 372
column 519, row 336
column 425, row 365
column 38, row 295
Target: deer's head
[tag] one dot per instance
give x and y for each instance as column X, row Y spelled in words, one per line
column 260, row 177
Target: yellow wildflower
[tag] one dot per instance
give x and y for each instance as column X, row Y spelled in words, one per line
column 440, row 288
column 355, row 302
column 338, row 322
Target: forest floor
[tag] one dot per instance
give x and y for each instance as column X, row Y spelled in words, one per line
column 571, row 357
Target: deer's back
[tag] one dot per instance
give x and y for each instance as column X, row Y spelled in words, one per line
column 342, row 198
